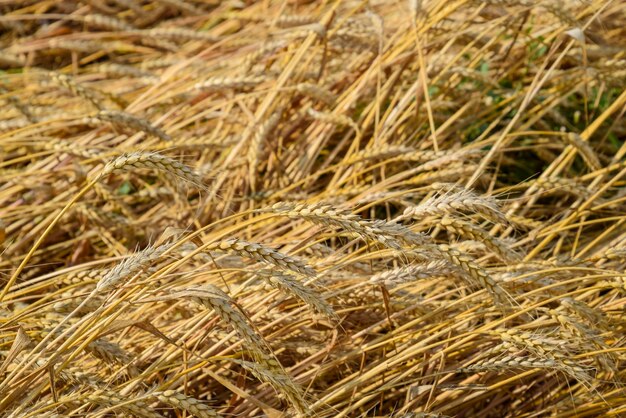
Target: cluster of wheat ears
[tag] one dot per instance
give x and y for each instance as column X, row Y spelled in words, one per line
column 331, row 208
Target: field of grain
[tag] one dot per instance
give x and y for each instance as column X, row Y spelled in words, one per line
column 291, row 208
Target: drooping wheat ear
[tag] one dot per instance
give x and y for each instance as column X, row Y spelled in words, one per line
column 289, row 21
column 281, row 382
column 68, row 147
column 183, row 7
column 155, row 161
column 176, row 34
column 526, row 341
column 458, row 202
column 11, row 124
column 334, row 119
column 187, row 403
column 226, row 83
column 477, row 275
column 132, row 5
column 585, row 312
column 83, row 276
column 133, row 265
column 560, row 184
column 389, row 234
column 11, row 60
column 303, row 31
column 573, row 325
column 107, row 22
column 511, row 362
column 113, row 69
column 111, row 399
column 72, row 375
column 106, row 217
column 616, row 283
column 71, row 302
column 125, row 119
column 586, row 338
column 84, row 45
column 526, row 223
column 75, row 88
column 421, row 415
column 317, row 92
column 410, row 273
column 610, row 254
column 473, row 232
column 255, row 150
column 293, row 287
column 423, row 156
column 376, row 153
column 109, row 352
column 250, row 59
column 21, row 107
column 445, row 160
column 264, row 254
column 348, row 40
column 448, row 174
column 584, row 149
column 553, row 350
column 211, row 297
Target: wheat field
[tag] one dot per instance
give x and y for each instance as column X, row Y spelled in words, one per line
column 292, row 208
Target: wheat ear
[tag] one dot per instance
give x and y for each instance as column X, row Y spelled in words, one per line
column 113, row 400
column 130, row 267
column 226, row 83
column 462, row 201
column 476, row 274
column 211, row 297
column 410, row 273
column 294, row 287
column 281, row 382
column 389, row 234
column 155, row 161
column 128, row 120
column 187, row 403
column 264, row 254
column 473, row 232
